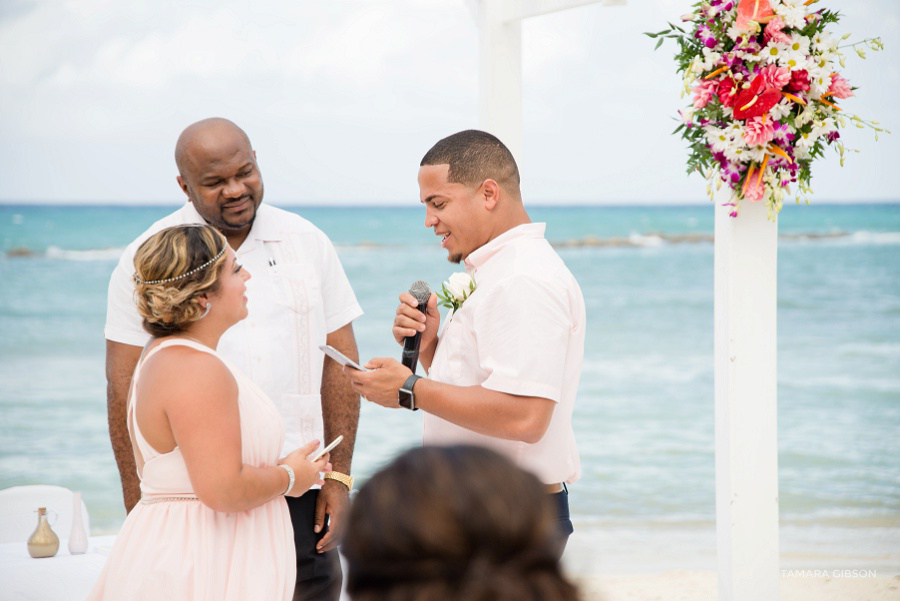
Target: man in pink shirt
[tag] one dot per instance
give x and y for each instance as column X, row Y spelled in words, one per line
column 504, row 371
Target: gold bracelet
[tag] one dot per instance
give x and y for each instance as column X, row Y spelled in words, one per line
column 342, row 478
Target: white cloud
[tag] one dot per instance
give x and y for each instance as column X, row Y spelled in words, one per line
column 343, row 97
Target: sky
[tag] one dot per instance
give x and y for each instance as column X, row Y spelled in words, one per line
column 341, row 98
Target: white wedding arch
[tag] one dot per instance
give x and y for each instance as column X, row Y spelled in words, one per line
column 746, row 253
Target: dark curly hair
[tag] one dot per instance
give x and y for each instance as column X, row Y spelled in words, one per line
column 457, row 523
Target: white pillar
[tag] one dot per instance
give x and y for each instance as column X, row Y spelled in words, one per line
column 746, row 253
column 500, row 61
column 500, row 75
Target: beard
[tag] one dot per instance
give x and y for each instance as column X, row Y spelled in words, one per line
column 229, row 224
column 457, row 258
column 225, row 225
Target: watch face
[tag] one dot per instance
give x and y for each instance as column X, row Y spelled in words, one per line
column 407, row 397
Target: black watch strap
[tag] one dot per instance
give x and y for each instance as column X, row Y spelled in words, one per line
column 407, row 398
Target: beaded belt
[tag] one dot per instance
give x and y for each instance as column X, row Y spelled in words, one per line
column 153, row 500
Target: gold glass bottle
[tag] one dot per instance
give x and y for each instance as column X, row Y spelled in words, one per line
column 43, row 541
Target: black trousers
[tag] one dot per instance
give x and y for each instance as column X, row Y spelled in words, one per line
column 319, row 575
column 561, row 502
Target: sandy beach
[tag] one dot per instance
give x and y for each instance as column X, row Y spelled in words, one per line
column 677, row 562
column 680, row 585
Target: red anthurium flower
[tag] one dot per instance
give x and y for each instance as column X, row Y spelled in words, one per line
column 755, row 101
column 753, row 10
column 726, row 92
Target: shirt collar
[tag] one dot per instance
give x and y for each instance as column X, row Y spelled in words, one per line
column 264, row 228
column 526, row 231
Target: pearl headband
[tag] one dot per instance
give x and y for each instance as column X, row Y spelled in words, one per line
column 184, row 275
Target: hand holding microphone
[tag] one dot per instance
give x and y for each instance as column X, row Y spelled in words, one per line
column 415, row 327
column 416, row 323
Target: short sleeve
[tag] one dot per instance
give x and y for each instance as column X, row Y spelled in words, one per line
column 123, row 323
column 341, row 306
column 522, row 332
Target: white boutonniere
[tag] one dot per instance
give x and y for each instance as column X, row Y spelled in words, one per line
column 456, row 290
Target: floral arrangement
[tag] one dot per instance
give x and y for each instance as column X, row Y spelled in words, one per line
column 456, row 290
column 766, row 93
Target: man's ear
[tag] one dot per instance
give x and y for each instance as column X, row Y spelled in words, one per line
column 490, row 191
column 183, row 185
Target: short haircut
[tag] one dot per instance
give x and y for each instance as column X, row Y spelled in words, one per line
column 202, row 128
column 474, row 156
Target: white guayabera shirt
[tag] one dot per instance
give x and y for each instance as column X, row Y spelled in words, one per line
column 293, row 305
column 520, row 332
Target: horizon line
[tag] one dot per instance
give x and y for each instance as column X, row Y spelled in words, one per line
column 399, row 205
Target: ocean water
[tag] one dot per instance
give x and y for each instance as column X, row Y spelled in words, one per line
column 644, row 414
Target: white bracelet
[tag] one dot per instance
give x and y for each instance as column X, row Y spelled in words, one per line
column 290, row 472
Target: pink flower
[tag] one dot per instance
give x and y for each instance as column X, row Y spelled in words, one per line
column 799, row 81
column 840, row 87
column 754, row 188
column 773, row 31
column 703, row 91
column 759, row 131
column 775, row 77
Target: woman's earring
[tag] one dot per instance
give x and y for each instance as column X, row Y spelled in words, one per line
column 205, row 313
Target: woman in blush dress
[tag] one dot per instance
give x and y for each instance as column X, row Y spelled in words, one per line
column 212, row 523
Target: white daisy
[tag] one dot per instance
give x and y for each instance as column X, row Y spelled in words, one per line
column 736, row 154
column 756, row 154
column 819, row 81
column 795, row 61
column 735, row 133
column 773, row 52
column 781, row 110
column 734, row 33
column 808, row 139
column 793, row 16
column 823, row 42
column 799, row 43
column 717, row 139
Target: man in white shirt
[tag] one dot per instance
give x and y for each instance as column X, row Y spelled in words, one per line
column 299, row 298
column 504, row 371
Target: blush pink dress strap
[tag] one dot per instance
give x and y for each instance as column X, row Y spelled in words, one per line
column 172, row 547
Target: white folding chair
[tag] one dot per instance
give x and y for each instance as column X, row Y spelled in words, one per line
column 18, row 511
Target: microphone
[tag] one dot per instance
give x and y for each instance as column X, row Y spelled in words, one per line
column 422, row 293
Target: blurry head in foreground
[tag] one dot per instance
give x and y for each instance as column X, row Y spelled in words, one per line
column 453, row 523
column 186, row 274
column 469, row 184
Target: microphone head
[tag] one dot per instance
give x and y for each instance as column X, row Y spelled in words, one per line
column 421, row 291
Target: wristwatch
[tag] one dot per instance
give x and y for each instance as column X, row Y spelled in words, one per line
column 407, row 396
column 342, row 478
